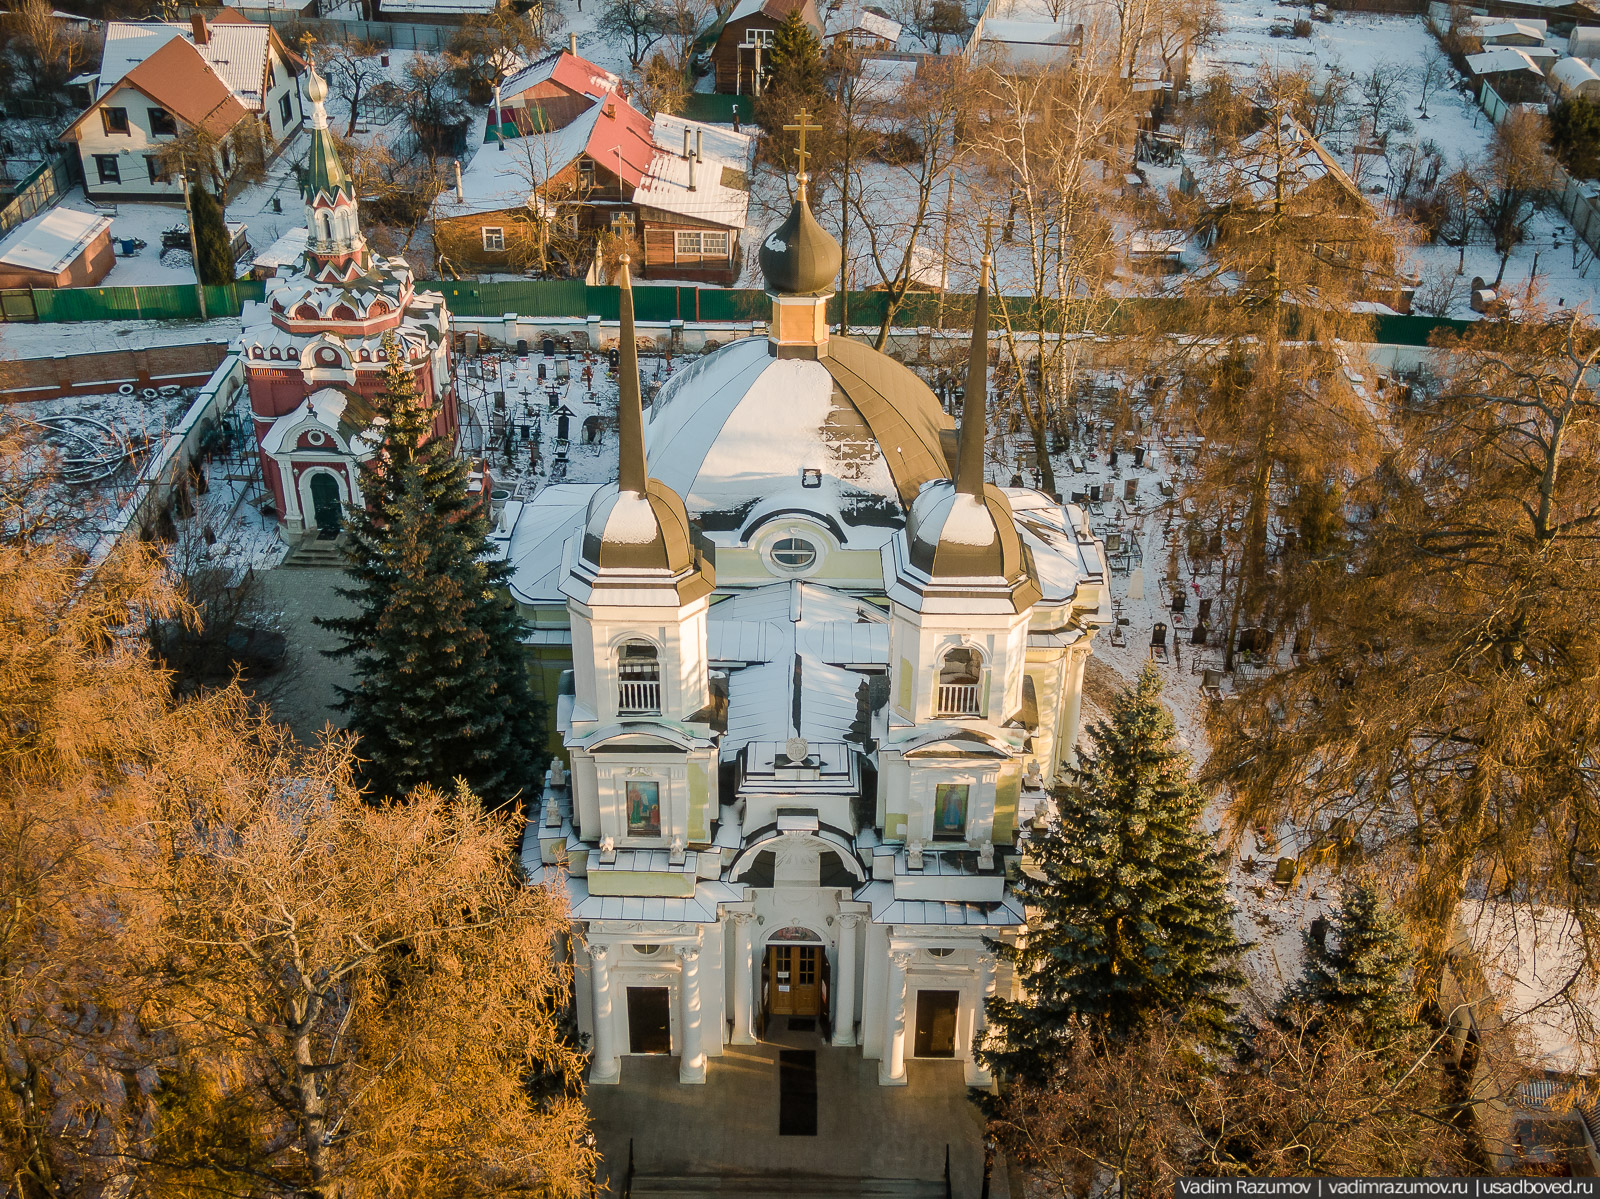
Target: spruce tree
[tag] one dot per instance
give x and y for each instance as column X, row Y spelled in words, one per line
column 1129, row 918
column 440, row 687
column 1360, row 970
column 213, row 248
column 797, row 56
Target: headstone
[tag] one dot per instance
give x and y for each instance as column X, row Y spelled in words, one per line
column 1180, row 601
column 1199, row 635
column 549, row 347
column 1130, row 489
column 1205, row 611
column 1094, row 493
column 1138, row 455
column 522, row 347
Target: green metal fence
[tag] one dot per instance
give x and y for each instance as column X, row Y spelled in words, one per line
column 718, row 109
column 573, row 299
column 169, row 303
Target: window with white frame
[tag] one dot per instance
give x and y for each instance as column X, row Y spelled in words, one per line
column 494, row 237
column 758, row 37
column 697, row 243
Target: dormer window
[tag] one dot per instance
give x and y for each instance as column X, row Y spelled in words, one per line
column 950, row 811
column 959, row 679
column 638, row 679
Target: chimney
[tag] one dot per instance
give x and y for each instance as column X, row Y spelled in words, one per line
column 699, row 145
column 691, row 164
column 202, row 35
column 686, row 141
column 572, row 44
column 461, row 196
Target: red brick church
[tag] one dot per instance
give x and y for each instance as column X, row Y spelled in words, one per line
column 315, row 350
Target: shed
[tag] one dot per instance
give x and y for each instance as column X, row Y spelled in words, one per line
column 59, row 248
column 1574, row 77
column 1584, row 41
column 283, row 253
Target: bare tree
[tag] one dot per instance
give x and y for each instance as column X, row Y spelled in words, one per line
column 487, row 46
column 52, row 49
column 638, row 24
column 1433, row 73
column 229, row 158
column 1050, row 141
column 1514, row 180
column 902, row 149
column 352, row 67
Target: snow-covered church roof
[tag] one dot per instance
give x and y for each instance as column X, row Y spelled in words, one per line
column 740, row 430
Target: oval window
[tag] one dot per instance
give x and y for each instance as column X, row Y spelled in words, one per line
column 941, row 952
column 645, row 951
column 793, row 553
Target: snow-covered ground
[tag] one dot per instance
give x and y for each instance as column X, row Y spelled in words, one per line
column 1355, row 44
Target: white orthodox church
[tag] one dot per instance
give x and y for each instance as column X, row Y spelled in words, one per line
column 822, row 672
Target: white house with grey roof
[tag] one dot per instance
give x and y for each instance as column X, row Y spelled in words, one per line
column 822, row 676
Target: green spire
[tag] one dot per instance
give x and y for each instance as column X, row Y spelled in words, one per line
column 325, row 173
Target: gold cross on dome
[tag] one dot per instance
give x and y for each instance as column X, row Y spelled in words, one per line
column 622, row 225
column 802, row 127
column 989, row 225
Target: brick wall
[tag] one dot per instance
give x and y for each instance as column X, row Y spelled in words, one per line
column 91, row 374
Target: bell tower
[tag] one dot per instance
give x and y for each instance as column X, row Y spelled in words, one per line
column 638, row 589
column 335, row 248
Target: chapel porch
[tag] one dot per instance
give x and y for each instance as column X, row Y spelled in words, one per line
column 730, row 1125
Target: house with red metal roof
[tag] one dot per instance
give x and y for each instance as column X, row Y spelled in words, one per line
column 565, row 154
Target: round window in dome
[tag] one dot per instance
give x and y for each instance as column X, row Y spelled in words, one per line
column 793, row 553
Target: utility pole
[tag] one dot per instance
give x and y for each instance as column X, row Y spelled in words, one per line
column 194, row 245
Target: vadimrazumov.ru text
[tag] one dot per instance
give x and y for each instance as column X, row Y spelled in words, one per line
column 1358, row 1188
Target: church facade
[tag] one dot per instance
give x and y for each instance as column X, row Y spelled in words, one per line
column 316, row 349
column 822, row 675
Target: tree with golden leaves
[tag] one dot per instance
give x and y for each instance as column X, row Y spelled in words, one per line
column 1292, row 251
column 1445, row 725
column 222, row 968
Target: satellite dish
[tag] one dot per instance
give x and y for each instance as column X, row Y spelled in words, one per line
column 796, row 749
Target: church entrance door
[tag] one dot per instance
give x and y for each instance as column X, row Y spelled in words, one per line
column 936, row 1023
column 325, row 505
column 794, row 980
column 649, row 1020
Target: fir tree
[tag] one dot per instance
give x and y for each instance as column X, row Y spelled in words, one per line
column 1129, row 916
column 1360, row 969
column 441, row 690
column 797, row 56
column 213, row 248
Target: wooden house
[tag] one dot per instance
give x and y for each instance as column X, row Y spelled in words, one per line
column 741, row 56
column 538, row 200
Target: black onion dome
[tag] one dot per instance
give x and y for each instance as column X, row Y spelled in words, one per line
column 800, row 257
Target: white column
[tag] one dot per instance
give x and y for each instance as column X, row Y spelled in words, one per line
column 692, row 1057
column 606, row 1067
column 1067, row 750
column 977, row 1074
column 743, row 980
column 892, row 1066
column 844, row 987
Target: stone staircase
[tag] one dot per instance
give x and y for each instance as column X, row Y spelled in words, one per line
column 731, row 1185
column 313, row 553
